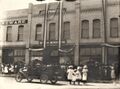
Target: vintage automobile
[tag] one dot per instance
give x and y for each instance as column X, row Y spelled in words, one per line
column 39, row 71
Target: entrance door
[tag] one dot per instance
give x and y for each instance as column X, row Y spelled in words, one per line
column 8, row 56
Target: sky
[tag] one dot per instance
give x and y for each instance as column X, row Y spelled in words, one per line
column 17, row 4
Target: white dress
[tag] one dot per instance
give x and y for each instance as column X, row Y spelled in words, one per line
column 84, row 75
column 70, row 74
column 5, row 69
column 78, row 75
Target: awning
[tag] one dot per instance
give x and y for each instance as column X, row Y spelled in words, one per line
column 110, row 45
column 67, row 50
column 38, row 49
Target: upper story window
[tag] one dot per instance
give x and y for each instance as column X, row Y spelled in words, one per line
column 96, row 28
column 52, row 27
column 85, row 29
column 9, row 33
column 66, row 31
column 114, row 27
column 38, row 35
column 20, row 32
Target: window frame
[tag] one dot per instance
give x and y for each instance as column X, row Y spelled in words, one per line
column 52, row 32
column 9, row 34
column 66, row 30
column 113, row 28
column 38, row 33
column 96, row 29
column 85, row 29
column 20, row 34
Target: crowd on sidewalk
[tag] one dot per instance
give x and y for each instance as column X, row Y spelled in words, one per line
column 80, row 74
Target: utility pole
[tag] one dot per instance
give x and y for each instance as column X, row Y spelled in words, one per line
column 104, row 48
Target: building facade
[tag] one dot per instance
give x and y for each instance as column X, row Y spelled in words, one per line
column 90, row 32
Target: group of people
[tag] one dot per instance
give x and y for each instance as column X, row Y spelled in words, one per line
column 7, row 68
column 79, row 74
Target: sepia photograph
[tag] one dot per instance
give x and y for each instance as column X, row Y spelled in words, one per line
column 60, row 44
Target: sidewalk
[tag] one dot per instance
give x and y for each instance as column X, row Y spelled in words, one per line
column 91, row 85
column 66, row 85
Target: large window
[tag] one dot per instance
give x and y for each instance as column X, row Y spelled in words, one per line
column 114, row 27
column 85, row 29
column 96, row 28
column 9, row 33
column 20, row 33
column 113, row 55
column 19, row 55
column 52, row 27
column 66, row 31
column 86, row 54
column 38, row 35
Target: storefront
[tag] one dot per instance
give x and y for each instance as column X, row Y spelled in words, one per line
column 13, row 55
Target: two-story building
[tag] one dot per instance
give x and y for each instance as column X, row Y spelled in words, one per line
column 90, row 32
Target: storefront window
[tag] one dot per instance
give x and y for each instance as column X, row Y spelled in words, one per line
column 19, row 55
column 113, row 55
column 86, row 54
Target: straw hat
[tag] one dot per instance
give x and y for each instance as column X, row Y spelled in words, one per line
column 85, row 66
column 78, row 68
column 70, row 66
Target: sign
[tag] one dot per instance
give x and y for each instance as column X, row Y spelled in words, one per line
column 52, row 11
column 52, row 42
column 14, row 22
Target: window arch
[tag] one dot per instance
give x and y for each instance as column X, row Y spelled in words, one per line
column 9, row 33
column 85, row 29
column 38, row 35
column 20, row 32
column 114, row 27
column 96, row 28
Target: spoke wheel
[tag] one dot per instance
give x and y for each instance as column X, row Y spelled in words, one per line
column 43, row 78
column 29, row 79
column 18, row 77
column 54, row 80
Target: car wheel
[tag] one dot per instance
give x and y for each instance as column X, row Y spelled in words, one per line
column 53, row 80
column 43, row 78
column 18, row 77
column 29, row 79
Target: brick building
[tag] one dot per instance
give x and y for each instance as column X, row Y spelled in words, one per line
column 90, row 32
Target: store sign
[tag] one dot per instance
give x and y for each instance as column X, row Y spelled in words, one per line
column 52, row 11
column 52, row 42
column 14, row 22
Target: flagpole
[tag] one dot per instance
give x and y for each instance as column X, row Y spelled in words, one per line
column 45, row 25
column 60, row 22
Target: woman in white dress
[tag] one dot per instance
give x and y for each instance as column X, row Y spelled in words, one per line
column 70, row 72
column 78, row 75
column 84, row 74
